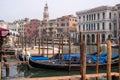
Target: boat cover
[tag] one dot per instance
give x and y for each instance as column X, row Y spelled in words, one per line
column 39, row 58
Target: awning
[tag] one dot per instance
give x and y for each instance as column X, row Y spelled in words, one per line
column 4, row 32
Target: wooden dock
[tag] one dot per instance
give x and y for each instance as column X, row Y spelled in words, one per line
column 88, row 76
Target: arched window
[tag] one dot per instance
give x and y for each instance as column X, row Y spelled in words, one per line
column 93, row 38
column 84, row 37
column 88, row 39
column 103, row 38
column 109, row 36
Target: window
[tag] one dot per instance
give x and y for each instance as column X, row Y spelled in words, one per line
column 103, row 26
column 91, row 26
column 103, row 37
column 87, row 17
column 103, row 15
column 94, row 16
column 79, row 27
column 62, row 19
column 94, row 26
column 86, row 26
column 83, row 27
column 67, row 24
column 83, row 18
column 73, row 24
column 109, row 15
column 110, row 27
column 79, row 17
column 62, row 24
column 98, row 26
column 98, row 15
column 57, row 24
column 51, row 24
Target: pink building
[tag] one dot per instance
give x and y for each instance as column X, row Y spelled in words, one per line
column 31, row 28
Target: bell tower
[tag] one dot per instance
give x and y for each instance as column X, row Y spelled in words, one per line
column 46, row 13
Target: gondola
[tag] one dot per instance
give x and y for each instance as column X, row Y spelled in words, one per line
column 55, row 64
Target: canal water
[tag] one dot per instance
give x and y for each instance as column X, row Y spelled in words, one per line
column 21, row 70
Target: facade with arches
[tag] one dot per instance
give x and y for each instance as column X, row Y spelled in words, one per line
column 100, row 20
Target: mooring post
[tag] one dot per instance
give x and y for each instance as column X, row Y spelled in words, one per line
column 53, row 43
column 109, row 50
column 59, row 50
column 82, row 58
column 80, row 38
column 0, row 71
column 47, row 45
column 4, row 58
column 7, row 68
column 39, row 46
column 0, row 64
column 83, row 61
column 98, row 52
column 119, row 58
column 62, row 44
column 69, row 49
column 42, row 41
column 6, row 65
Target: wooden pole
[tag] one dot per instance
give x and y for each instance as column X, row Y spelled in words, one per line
column 83, row 61
column 62, row 44
column 82, row 58
column 53, row 43
column 69, row 49
column 39, row 46
column 109, row 50
column 47, row 45
column 42, row 41
column 25, row 49
column 7, row 69
column 0, row 70
column 59, row 49
column 98, row 52
column 0, row 63
column 6, row 65
column 80, row 35
column 119, row 58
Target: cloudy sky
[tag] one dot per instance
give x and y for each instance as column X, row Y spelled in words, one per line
column 11, row 10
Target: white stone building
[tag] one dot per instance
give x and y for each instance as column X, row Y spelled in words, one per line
column 16, row 30
column 99, row 20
